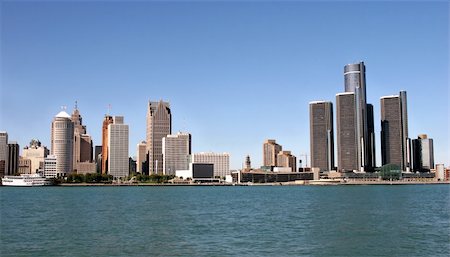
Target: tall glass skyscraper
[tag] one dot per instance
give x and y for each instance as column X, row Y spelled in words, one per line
column 159, row 125
column 321, row 135
column 355, row 82
column 395, row 144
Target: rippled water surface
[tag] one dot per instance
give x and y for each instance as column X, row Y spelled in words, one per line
column 409, row 220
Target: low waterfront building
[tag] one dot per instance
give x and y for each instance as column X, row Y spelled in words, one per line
column 262, row 176
column 86, row 167
column 198, row 172
column 221, row 162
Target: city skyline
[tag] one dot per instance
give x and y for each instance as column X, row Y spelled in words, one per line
column 219, row 92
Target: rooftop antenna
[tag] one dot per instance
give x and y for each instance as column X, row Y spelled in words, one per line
column 63, row 107
column 109, row 108
column 76, row 105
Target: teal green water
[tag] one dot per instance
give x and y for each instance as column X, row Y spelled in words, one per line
column 412, row 220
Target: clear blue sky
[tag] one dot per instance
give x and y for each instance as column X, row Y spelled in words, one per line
column 235, row 73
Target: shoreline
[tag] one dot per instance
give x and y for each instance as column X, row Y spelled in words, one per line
column 293, row 183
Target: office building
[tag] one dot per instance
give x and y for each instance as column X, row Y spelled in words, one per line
column 118, row 163
column 159, row 125
column 141, row 156
column 36, row 153
column 50, row 167
column 395, row 144
column 176, row 152
column 270, row 151
column 98, row 158
column 321, row 135
column 24, row 166
column 423, row 153
column 346, row 136
column 82, row 145
column 287, row 160
column 3, row 152
column 221, row 162
column 62, row 142
column 355, row 82
column 131, row 165
column 106, row 122
column 13, row 158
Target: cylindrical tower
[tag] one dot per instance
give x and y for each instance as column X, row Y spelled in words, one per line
column 62, row 143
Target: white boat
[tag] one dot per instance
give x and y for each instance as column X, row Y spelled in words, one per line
column 26, row 180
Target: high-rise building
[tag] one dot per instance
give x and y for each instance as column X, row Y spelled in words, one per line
column 98, row 158
column 50, row 166
column 3, row 152
column 159, row 125
column 176, row 152
column 346, row 134
column 106, row 122
column 118, row 163
column 62, row 143
column 423, row 153
column 321, row 135
column 141, row 156
column 82, row 145
column 13, row 158
column 82, row 149
column 270, row 151
column 24, row 166
column 36, row 153
column 286, row 159
column 355, row 82
column 395, row 144
column 221, row 162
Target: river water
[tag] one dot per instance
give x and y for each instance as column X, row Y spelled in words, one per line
column 402, row 220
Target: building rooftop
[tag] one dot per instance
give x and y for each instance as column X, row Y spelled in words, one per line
column 389, row 96
column 62, row 114
column 345, row 93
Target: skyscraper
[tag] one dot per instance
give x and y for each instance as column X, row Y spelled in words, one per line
column 3, row 152
column 82, row 145
column 118, row 163
column 36, row 153
column 62, row 143
column 346, row 134
column 270, row 151
column 395, row 145
column 98, row 158
column 106, row 122
column 355, row 82
column 423, row 153
column 176, row 152
column 13, row 158
column 141, row 155
column 159, row 125
column 321, row 135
